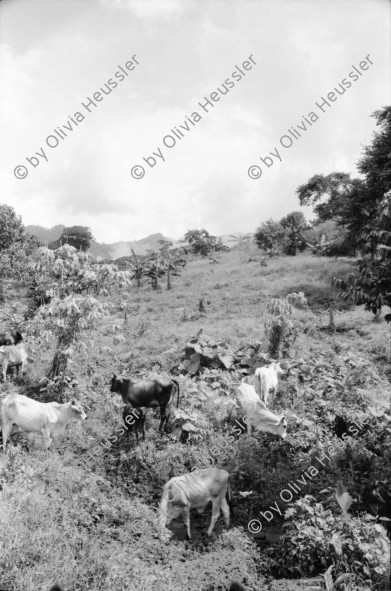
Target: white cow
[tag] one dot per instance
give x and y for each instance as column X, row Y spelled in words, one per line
column 195, row 490
column 254, row 412
column 13, row 355
column 266, row 379
column 47, row 418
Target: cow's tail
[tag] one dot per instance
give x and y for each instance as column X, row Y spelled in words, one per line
column 177, row 387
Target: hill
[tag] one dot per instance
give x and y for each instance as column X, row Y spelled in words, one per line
column 107, row 251
column 77, row 512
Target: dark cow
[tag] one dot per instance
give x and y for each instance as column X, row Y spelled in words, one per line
column 237, row 587
column 134, row 418
column 56, row 588
column 147, row 394
column 10, row 338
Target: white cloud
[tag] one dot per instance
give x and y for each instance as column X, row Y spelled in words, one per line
column 53, row 58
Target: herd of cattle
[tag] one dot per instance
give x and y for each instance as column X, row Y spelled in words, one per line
column 181, row 493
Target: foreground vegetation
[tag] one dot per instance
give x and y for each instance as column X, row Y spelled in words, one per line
column 84, row 513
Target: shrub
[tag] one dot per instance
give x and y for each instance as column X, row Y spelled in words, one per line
column 315, row 538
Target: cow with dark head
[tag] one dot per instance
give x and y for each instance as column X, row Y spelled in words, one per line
column 10, row 338
column 148, row 394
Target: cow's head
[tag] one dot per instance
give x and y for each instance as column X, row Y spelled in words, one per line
column 17, row 337
column 282, row 427
column 277, row 367
column 77, row 411
column 116, row 383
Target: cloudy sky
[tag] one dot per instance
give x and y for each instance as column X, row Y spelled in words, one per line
column 54, row 54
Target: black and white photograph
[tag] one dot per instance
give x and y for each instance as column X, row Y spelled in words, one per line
column 195, row 295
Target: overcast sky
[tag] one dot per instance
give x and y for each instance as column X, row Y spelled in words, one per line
column 56, row 53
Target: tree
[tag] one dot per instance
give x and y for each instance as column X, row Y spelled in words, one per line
column 138, row 268
column 329, row 194
column 200, row 242
column 372, row 286
column 352, row 203
column 295, row 226
column 11, row 227
column 270, row 236
column 154, row 268
column 77, row 236
column 174, row 261
column 61, row 276
column 241, row 241
column 279, row 326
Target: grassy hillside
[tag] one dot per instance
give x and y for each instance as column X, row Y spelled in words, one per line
column 86, row 516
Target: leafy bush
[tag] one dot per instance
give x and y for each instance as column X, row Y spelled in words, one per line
column 279, row 327
column 315, row 538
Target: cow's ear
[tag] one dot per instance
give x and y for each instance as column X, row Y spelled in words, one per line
column 282, row 419
column 114, row 376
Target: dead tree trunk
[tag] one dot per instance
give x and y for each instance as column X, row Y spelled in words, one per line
column 60, row 361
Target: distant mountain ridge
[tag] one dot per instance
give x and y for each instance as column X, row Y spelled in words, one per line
column 107, row 251
column 117, row 249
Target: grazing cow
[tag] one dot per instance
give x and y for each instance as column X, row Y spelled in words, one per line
column 56, row 588
column 13, row 355
column 237, row 587
column 195, row 490
column 148, row 394
column 134, row 418
column 47, row 418
column 254, row 412
column 10, row 338
column 266, row 379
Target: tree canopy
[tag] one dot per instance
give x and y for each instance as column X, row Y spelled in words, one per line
column 288, row 234
column 11, row 227
column 370, row 222
column 352, row 202
column 295, row 226
column 270, row 235
column 78, row 236
column 200, row 242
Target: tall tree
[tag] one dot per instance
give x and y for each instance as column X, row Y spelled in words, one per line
column 11, row 227
column 295, row 226
column 200, row 242
column 78, row 236
column 352, row 202
column 329, row 194
column 372, row 286
column 270, row 236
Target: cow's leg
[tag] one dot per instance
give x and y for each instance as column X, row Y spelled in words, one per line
column 162, row 417
column 47, row 437
column 143, row 427
column 186, row 520
column 7, row 428
column 216, row 503
column 226, row 511
column 5, row 365
column 136, row 431
column 21, row 369
column 248, row 425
